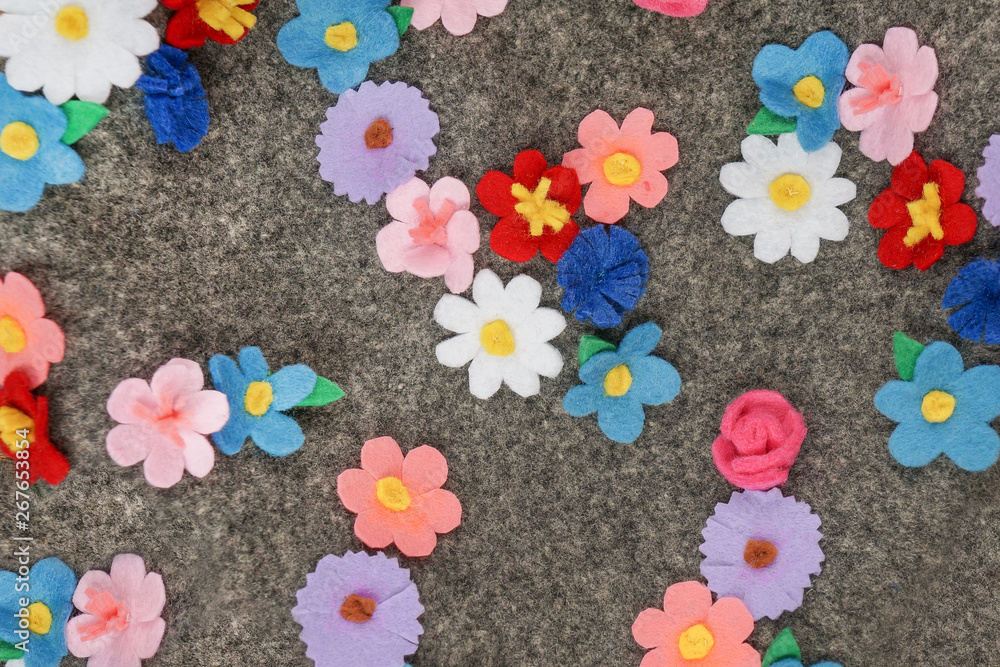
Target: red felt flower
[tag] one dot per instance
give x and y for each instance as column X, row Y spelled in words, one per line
column 23, row 417
column 222, row 21
column 535, row 208
column 922, row 213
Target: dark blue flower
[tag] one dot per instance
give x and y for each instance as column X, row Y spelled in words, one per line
column 49, row 595
column 976, row 289
column 604, row 273
column 175, row 99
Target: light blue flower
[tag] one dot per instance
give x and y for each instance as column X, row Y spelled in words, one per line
column 50, row 587
column 944, row 409
column 256, row 401
column 618, row 383
column 792, row 662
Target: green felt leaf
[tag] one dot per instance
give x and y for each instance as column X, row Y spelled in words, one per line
column 905, row 351
column 8, row 652
column 767, row 122
column 83, row 117
column 324, row 393
column 783, row 646
column 402, row 16
column 591, row 345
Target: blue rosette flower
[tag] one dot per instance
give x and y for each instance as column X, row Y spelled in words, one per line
column 49, row 593
column 175, row 99
column 975, row 291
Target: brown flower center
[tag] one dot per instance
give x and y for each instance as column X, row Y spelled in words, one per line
column 378, row 134
column 357, row 609
column 759, row 554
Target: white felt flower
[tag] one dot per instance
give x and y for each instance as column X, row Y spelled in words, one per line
column 75, row 47
column 503, row 334
column 788, row 197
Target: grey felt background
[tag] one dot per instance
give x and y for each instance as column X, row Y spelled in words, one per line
column 566, row 536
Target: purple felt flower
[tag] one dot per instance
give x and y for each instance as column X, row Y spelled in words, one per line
column 359, row 611
column 375, row 139
column 761, row 547
column 989, row 181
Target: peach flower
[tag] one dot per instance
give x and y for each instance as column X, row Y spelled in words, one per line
column 28, row 341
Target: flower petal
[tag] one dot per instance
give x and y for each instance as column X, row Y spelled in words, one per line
column 424, row 469
column 382, row 457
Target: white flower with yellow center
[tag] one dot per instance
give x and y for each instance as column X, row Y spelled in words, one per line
column 503, row 334
column 75, row 47
column 788, row 197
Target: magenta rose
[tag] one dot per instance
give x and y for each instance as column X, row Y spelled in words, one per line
column 761, row 436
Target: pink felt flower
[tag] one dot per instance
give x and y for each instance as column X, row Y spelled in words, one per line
column 28, row 341
column 165, row 421
column 894, row 96
column 120, row 624
column 621, row 164
column 433, row 234
column 677, row 8
column 399, row 500
column 761, row 436
column 457, row 16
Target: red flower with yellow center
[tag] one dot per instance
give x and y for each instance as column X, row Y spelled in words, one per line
column 24, row 425
column 222, row 21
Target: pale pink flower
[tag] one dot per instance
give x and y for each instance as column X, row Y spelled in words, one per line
column 457, row 16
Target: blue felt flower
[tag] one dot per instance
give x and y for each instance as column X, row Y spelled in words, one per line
column 340, row 38
column 604, row 273
column 31, row 149
column 976, row 290
column 256, row 401
column 804, row 83
column 49, row 594
column 617, row 383
column 792, row 662
column 175, row 99
column 943, row 409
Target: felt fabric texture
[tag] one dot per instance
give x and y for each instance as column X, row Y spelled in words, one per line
column 43, row 460
column 975, row 294
column 761, row 437
column 29, row 341
column 529, row 329
column 432, row 234
column 175, row 99
column 893, row 211
column 386, row 638
column 789, row 525
column 779, row 230
column 86, row 64
column 367, row 173
column 52, row 583
column 187, row 30
column 989, row 181
column 430, row 509
column 81, row 118
column 894, row 96
column 965, row 436
column 679, row 8
column 23, row 181
column 457, row 16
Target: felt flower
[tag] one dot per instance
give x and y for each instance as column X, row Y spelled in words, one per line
column 503, row 333
column 48, row 601
column 29, row 341
column 457, row 16
column 788, row 197
column 921, row 213
column 433, row 233
column 165, row 421
column 257, row 401
column 761, row 436
column 691, row 630
column 535, row 208
column 376, row 622
column 804, row 84
column 31, row 151
column 399, row 500
column 943, row 409
column 989, row 181
column 375, row 139
column 677, row 8
column 24, row 433
column 621, row 164
column 340, row 38
column 617, row 383
column 175, row 99
column 604, row 274
column 762, row 547
column 222, row 21
column 976, row 293
column 75, row 47
column 894, row 96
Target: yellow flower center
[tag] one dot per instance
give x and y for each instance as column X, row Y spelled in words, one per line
column 39, row 618
column 392, row 493
column 19, row 141
column 937, row 406
column 810, row 92
column 497, row 339
column 617, row 381
column 12, row 337
column 341, row 37
column 13, row 420
column 227, row 16
column 258, row 398
column 622, row 169
column 537, row 210
column 926, row 216
column 72, row 23
column 790, row 192
column 696, row 642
